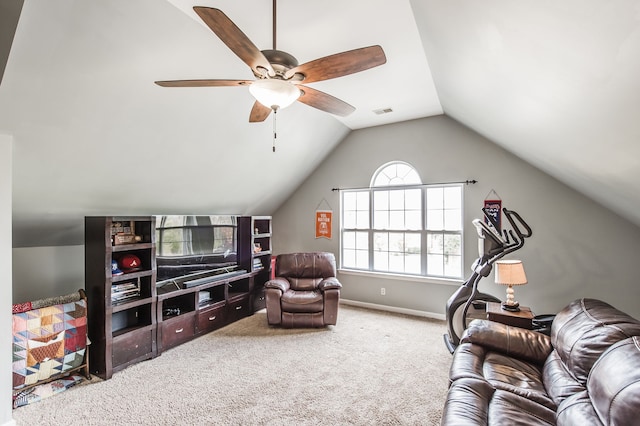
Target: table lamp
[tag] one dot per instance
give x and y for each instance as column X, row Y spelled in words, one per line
column 510, row 273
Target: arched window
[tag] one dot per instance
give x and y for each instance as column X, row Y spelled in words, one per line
column 400, row 225
column 395, row 173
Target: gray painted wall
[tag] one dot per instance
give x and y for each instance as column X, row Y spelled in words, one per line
column 40, row 272
column 578, row 248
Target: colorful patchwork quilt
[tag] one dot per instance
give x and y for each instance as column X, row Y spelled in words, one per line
column 45, row 390
column 48, row 341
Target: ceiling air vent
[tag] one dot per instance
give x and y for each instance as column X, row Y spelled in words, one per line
column 383, row 111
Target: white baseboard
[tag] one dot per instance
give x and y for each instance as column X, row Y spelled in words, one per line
column 395, row 309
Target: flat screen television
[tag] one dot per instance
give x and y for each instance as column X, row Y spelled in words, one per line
column 191, row 246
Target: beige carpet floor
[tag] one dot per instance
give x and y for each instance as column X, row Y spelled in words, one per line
column 372, row 368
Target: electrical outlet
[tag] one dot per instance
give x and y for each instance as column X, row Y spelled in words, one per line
column 383, row 291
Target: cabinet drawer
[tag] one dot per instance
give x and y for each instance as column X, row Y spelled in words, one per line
column 132, row 346
column 239, row 308
column 210, row 319
column 177, row 330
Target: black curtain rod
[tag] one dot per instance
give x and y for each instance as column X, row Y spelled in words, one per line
column 466, row 182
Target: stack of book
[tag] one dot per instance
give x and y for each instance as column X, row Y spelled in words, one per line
column 257, row 264
column 124, row 291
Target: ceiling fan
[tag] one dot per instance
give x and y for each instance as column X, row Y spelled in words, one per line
column 279, row 78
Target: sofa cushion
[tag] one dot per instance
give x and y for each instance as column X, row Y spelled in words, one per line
column 516, row 376
column 508, row 358
column 501, row 372
column 559, row 383
column 474, row 401
column 577, row 410
column 583, row 330
column 467, row 362
column 517, row 342
column 467, row 402
column 507, row 408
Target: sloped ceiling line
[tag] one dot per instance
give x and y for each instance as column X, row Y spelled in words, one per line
column 9, row 16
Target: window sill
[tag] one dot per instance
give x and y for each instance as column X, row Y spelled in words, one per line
column 399, row 277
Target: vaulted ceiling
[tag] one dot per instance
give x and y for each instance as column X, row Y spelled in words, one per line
column 556, row 83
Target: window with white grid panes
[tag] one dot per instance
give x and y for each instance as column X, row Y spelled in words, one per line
column 401, row 226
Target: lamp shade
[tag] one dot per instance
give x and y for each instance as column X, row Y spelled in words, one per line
column 510, row 272
column 273, row 93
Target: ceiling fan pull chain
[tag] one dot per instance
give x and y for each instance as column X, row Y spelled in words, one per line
column 275, row 135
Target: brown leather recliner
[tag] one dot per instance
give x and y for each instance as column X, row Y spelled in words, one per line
column 586, row 373
column 305, row 291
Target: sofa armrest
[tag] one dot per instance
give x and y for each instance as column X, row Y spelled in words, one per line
column 513, row 341
column 278, row 283
column 328, row 283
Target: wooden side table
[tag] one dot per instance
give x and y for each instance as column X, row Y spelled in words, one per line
column 523, row 318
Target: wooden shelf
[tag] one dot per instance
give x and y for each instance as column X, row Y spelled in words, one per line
column 130, row 303
column 115, row 327
column 194, row 318
column 136, row 329
column 256, row 230
column 122, row 333
column 130, row 247
column 130, row 275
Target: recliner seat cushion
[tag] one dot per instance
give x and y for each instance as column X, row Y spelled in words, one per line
column 302, row 301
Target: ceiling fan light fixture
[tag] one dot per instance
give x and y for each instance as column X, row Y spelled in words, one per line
column 273, row 93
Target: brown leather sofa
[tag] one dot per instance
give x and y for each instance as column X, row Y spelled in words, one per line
column 586, row 373
column 305, row 291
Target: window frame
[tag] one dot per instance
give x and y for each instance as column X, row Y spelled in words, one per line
column 423, row 231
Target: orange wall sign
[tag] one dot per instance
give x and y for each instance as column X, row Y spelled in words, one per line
column 323, row 223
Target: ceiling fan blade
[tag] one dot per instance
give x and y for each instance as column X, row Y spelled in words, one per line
column 340, row 64
column 324, row 102
column 235, row 39
column 203, row 83
column 259, row 113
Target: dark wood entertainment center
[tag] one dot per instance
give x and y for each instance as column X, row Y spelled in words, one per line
column 131, row 319
column 184, row 314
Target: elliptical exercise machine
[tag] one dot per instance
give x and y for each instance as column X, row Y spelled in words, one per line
column 492, row 245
